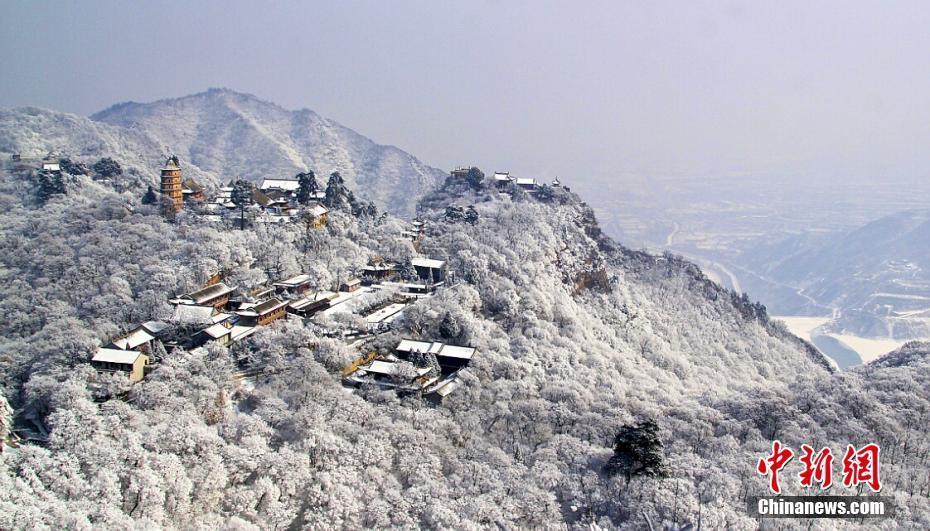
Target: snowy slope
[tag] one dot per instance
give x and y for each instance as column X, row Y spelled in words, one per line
column 226, row 133
column 219, row 134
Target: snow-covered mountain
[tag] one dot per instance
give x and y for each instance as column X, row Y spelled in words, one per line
column 219, row 134
column 579, row 339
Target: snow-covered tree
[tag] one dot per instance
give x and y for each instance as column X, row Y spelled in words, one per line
column 307, row 187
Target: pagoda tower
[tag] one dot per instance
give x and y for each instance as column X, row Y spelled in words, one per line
column 171, row 196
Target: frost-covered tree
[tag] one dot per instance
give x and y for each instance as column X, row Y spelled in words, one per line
column 6, row 421
column 576, row 337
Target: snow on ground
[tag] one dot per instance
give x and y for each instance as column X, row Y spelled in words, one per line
column 803, row 327
column 869, row 348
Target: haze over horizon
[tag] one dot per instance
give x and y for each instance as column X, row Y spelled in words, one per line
column 793, row 91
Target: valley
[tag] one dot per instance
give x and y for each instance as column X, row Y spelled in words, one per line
column 850, row 256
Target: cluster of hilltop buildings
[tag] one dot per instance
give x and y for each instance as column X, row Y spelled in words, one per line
column 503, row 180
column 275, row 201
column 224, row 315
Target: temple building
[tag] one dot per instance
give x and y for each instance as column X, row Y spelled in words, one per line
column 172, row 195
column 129, row 362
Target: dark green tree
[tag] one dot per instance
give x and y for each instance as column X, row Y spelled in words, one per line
column 638, row 452
column 107, row 167
column 454, row 213
column 337, row 195
column 474, row 177
column 242, row 197
column 544, row 193
column 471, row 215
column 73, row 168
column 450, row 328
column 426, row 360
column 364, row 209
column 50, row 183
column 150, row 198
column 307, row 187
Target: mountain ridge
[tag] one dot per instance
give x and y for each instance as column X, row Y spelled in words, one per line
column 577, row 337
column 220, row 134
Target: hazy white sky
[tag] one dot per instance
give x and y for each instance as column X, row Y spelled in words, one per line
column 593, row 89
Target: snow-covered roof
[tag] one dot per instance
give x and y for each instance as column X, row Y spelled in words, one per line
column 440, row 349
column 172, row 163
column 501, row 176
column 445, row 388
column 384, row 313
column 217, row 331
column 409, row 345
column 428, row 263
column 193, row 314
column 310, row 299
column 526, row 181
column 346, row 301
column 112, row 355
column 191, row 186
column 384, row 266
column 293, row 281
column 51, row 166
column 453, row 351
column 389, row 368
column 133, row 339
column 209, row 293
column 241, row 332
column 263, row 307
column 269, row 306
column 289, row 185
column 401, row 285
column 317, row 210
column 154, row 327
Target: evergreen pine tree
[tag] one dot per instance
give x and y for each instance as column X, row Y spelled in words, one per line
column 150, row 198
column 307, row 187
column 337, row 195
column 638, row 452
column 107, row 167
column 49, row 184
column 471, row 215
column 454, row 213
column 242, row 197
column 474, row 177
column 73, row 168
